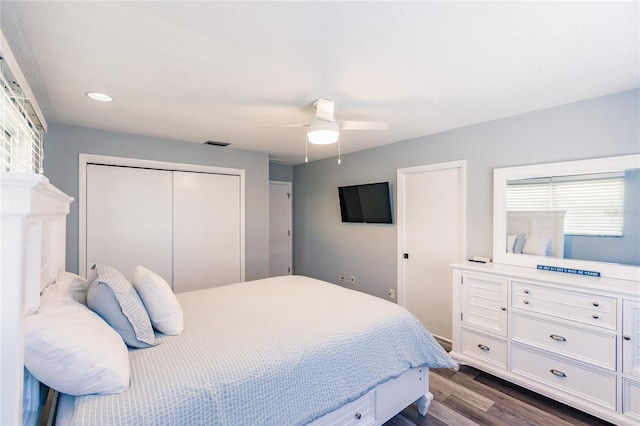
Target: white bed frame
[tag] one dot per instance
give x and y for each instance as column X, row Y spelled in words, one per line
column 541, row 223
column 373, row 409
column 33, row 255
column 384, row 401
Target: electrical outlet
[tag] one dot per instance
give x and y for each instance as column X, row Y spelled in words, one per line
column 342, row 277
column 353, row 279
column 392, row 293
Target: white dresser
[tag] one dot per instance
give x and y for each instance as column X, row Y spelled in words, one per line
column 573, row 338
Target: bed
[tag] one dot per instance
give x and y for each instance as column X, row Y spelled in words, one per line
column 277, row 351
column 287, row 350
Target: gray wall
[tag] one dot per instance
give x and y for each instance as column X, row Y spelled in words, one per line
column 324, row 247
column 281, row 172
column 63, row 143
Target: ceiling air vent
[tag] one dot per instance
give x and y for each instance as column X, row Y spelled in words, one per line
column 214, row 143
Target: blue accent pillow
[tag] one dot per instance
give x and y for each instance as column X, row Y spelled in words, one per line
column 112, row 296
column 518, row 246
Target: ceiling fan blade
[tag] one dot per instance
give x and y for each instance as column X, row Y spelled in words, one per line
column 324, row 109
column 364, row 125
column 283, row 125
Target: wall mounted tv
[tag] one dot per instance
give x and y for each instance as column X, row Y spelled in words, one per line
column 368, row 203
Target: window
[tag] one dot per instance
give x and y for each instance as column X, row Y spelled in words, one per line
column 594, row 203
column 21, row 131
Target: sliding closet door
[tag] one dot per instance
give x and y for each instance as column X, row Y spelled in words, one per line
column 128, row 214
column 206, row 212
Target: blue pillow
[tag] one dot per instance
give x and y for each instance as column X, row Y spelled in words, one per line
column 112, row 296
column 518, row 246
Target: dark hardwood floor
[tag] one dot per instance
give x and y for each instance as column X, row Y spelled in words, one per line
column 472, row 397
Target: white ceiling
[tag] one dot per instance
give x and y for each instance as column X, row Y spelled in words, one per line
column 198, row 71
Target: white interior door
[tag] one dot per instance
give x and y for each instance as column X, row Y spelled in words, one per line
column 280, row 253
column 207, row 232
column 128, row 219
column 431, row 235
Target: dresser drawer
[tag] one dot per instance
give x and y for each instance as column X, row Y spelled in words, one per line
column 575, row 342
column 591, row 384
column 360, row 412
column 584, row 307
column 487, row 348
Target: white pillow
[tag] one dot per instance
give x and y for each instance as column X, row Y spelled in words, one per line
column 537, row 245
column 74, row 351
column 511, row 241
column 72, row 285
column 161, row 304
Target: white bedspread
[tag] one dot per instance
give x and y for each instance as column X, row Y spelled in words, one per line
column 279, row 351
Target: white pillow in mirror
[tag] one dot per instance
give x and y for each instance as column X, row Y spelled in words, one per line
column 161, row 304
column 511, row 240
column 72, row 350
column 537, row 245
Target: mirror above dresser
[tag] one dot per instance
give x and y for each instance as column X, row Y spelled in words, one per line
column 577, row 215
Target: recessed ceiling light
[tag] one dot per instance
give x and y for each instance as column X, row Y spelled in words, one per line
column 97, row 96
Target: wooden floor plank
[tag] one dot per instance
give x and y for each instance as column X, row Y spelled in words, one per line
column 444, row 372
column 411, row 414
column 449, row 416
column 558, row 409
column 439, row 394
column 510, row 404
column 400, row 420
column 468, row 395
column 514, row 418
column 473, row 413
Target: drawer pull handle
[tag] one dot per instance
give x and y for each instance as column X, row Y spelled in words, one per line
column 594, row 316
column 526, row 292
column 558, row 338
column 358, row 416
column 626, row 337
column 557, row 373
column 483, row 347
column 526, row 302
column 596, row 304
column 504, row 309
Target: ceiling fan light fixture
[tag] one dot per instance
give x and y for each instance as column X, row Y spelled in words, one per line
column 323, row 133
column 323, row 137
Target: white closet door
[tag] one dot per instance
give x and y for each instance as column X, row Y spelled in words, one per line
column 206, row 241
column 279, row 228
column 129, row 219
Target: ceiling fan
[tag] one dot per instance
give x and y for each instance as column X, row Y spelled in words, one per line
column 325, row 129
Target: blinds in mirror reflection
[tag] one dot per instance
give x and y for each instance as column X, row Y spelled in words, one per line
column 594, row 203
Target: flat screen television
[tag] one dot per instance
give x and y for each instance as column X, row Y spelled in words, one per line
column 369, row 203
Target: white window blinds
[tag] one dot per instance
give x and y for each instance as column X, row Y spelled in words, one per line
column 22, row 134
column 594, row 204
